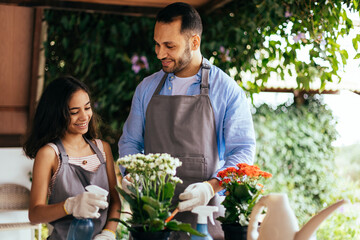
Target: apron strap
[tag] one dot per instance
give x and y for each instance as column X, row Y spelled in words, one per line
column 63, row 155
column 204, row 86
column 160, row 85
column 96, row 150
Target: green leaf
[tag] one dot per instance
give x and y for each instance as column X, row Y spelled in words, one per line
column 127, row 197
column 355, row 43
column 151, row 201
column 185, row 227
column 150, row 210
column 241, row 193
column 169, row 190
column 344, row 56
column 357, row 56
column 156, row 225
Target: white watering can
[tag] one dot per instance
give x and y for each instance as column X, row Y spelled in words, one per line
column 280, row 222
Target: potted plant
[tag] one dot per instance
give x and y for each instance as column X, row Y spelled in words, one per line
column 243, row 190
column 152, row 189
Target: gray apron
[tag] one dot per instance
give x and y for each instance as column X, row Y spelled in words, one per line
column 184, row 126
column 70, row 181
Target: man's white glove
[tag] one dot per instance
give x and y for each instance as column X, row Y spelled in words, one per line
column 125, row 182
column 195, row 194
column 105, row 235
column 85, row 205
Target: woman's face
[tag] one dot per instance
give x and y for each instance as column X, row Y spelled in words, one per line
column 80, row 113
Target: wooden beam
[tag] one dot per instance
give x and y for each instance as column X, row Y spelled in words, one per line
column 212, row 5
column 10, row 140
column 125, row 7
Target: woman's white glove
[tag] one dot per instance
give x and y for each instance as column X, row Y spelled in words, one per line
column 195, row 194
column 105, row 235
column 85, row 205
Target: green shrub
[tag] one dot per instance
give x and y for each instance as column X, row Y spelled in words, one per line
column 294, row 144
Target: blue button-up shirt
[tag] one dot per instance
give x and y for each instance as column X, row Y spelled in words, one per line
column 234, row 126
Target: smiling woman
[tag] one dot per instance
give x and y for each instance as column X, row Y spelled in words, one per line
column 63, row 142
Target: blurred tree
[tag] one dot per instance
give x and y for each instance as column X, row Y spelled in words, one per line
column 263, row 37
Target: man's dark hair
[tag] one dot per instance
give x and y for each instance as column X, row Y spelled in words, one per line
column 190, row 18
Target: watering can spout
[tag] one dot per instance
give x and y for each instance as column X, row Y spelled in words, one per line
column 310, row 227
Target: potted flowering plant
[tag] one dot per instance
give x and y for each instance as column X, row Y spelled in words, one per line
column 243, row 189
column 152, row 189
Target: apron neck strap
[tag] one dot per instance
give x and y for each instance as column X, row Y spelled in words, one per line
column 96, row 150
column 160, row 85
column 204, row 86
column 63, row 155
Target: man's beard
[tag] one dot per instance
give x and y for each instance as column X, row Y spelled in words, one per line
column 182, row 62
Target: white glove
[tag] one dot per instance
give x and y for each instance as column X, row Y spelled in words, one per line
column 125, row 182
column 85, row 205
column 105, row 235
column 196, row 194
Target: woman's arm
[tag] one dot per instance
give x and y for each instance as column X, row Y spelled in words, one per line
column 46, row 162
column 115, row 204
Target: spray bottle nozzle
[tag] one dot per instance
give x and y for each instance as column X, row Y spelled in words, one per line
column 203, row 212
column 97, row 190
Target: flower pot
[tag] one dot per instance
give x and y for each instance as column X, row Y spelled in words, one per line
column 234, row 231
column 140, row 235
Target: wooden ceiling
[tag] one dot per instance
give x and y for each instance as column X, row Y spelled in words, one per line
column 127, row 7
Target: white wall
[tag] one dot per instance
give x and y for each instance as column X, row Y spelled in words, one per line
column 15, row 168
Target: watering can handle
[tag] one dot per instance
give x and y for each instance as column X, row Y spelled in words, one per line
column 252, row 233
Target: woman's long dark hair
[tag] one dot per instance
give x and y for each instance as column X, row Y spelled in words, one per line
column 52, row 115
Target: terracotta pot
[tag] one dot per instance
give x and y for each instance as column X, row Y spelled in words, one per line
column 234, row 231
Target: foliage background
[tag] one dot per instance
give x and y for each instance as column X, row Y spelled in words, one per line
column 293, row 142
column 98, row 48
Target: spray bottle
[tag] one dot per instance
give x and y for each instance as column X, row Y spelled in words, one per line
column 83, row 228
column 203, row 213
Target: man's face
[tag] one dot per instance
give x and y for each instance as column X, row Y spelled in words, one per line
column 171, row 47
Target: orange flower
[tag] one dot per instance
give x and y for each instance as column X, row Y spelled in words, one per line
column 265, row 174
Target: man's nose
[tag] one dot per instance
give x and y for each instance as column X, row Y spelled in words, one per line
column 161, row 53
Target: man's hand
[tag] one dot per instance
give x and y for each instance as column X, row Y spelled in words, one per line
column 125, row 183
column 85, row 205
column 196, row 194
